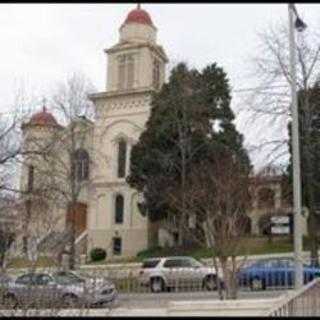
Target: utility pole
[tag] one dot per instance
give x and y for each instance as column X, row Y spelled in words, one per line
column 295, row 147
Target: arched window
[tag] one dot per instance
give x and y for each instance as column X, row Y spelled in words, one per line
column 119, row 208
column 81, row 165
column 122, row 155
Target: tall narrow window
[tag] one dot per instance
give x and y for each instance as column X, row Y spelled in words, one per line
column 156, row 74
column 130, row 69
column 117, row 246
column 121, row 71
column 81, row 164
column 30, row 178
column 126, row 71
column 119, row 208
column 122, row 154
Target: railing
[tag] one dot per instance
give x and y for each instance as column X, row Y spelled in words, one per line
column 81, row 243
column 304, row 302
column 138, row 280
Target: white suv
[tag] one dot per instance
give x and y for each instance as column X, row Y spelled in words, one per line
column 171, row 272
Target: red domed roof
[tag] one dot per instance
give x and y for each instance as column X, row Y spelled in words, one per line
column 43, row 118
column 139, row 16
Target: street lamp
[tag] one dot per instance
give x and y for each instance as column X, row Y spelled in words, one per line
column 300, row 26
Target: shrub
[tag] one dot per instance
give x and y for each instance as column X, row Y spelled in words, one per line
column 98, row 254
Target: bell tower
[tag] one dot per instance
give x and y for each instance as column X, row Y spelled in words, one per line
column 135, row 69
column 136, row 61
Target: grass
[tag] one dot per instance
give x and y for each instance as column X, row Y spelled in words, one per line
column 248, row 246
column 252, row 245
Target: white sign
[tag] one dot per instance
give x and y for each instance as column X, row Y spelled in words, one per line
column 280, row 230
column 280, row 220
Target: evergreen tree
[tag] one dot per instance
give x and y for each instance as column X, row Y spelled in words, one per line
column 309, row 136
column 190, row 120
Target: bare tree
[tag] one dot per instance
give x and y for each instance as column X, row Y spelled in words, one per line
column 217, row 199
column 73, row 145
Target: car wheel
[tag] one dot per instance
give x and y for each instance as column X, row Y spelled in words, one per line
column 157, row 285
column 210, row 283
column 70, row 300
column 10, row 301
column 257, row 284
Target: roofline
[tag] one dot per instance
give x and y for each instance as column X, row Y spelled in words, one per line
column 119, row 93
column 134, row 45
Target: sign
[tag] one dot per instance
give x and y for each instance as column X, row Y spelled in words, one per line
column 280, row 230
column 280, row 225
column 280, row 220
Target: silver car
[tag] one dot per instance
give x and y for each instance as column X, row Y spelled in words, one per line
column 59, row 289
column 172, row 272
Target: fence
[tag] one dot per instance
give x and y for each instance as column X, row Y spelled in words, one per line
column 304, row 302
column 141, row 280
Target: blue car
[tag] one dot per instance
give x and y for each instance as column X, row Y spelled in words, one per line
column 271, row 273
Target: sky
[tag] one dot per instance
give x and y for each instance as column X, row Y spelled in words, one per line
column 43, row 44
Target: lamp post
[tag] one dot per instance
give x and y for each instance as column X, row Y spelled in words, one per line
column 300, row 26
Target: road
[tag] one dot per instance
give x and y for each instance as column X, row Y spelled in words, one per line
column 154, row 300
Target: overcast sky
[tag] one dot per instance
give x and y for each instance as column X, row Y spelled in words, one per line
column 41, row 44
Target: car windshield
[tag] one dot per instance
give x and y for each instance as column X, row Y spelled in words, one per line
column 67, row 278
column 150, row 263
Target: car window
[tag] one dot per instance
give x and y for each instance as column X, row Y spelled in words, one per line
column 176, row 263
column 272, row 263
column 150, row 263
column 26, row 279
column 43, row 279
column 195, row 263
column 66, row 278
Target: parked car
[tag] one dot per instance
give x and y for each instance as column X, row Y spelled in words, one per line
column 59, row 288
column 277, row 272
column 171, row 272
column 4, row 281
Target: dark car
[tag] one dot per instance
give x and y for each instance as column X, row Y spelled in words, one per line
column 278, row 272
column 59, row 288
